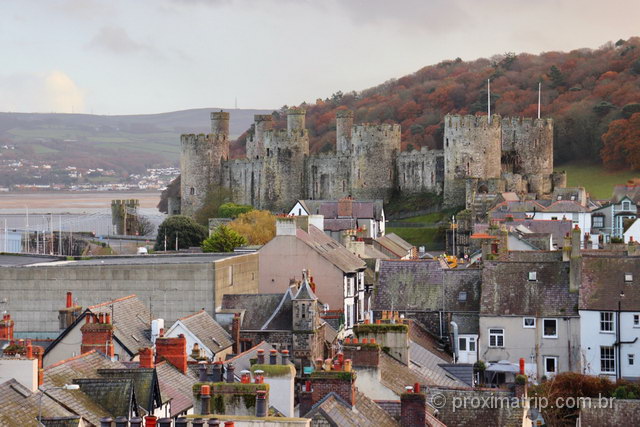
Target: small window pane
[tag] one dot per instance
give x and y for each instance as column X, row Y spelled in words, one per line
column 463, row 344
column 550, row 328
column 529, row 322
column 533, row 275
column 472, row 344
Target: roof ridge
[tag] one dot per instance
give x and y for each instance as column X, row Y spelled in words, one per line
column 63, row 361
column 111, row 302
column 246, row 351
column 193, row 314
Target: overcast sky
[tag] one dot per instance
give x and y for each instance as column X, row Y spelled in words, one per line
column 150, row 56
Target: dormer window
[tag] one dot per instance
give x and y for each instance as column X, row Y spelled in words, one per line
column 626, row 205
column 628, row 277
column 533, row 276
column 462, row 296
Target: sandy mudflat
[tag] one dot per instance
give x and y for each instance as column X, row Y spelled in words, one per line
column 74, row 200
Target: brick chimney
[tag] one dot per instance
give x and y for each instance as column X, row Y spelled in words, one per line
column 146, row 358
column 362, row 355
column 6, row 328
column 412, row 408
column 305, row 399
column 235, row 333
column 330, row 382
column 345, row 207
column 97, row 334
column 173, row 350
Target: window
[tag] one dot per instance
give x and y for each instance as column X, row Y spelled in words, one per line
column 533, row 275
column 462, row 344
column 606, row 321
column 550, row 365
column 598, row 221
column 192, row 191
column 472, row 344
column 462, row 296
column 529, row 322
column 554, row 218
column 636, row 320
column 496, row 337
column 304, row 311
column 626, row 205
column 550, row 328
column 575, row 217
column 628, row 277
column 607, row 360
column 631, row 358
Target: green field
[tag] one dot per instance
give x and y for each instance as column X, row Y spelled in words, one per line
column 427, row 237
column 596, row 179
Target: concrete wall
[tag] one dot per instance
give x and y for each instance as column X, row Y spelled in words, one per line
column 276, row 275
column 523, row 342
column 23, row 370
column 35, row 294
column 236, row 275
column 368, row 380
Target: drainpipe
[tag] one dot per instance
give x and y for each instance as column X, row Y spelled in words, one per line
column 456, row 355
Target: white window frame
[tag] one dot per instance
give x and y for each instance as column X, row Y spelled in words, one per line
column 543, row 327
column 493, row 333
column 598, row 221
column 524, row 323
column 631, row 359
column 472, row 340
column 626, row 205
column 628, row 277
column 610, row 321
column 544, row 367
column 533, row 276
column 636, row 320
column 611, row 359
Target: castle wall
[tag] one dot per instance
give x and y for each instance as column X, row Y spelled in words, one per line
column 255, row 144
column 328, row 176
column 195, row 167
column 421, row 170
column 344, row 128
column 244, row 177
column 373, row 161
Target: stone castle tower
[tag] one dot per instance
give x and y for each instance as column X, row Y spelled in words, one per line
column 479, row 155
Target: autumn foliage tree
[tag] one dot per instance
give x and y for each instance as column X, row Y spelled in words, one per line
column 258, row 227
column 622, row 143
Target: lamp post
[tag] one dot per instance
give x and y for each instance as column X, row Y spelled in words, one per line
column 42, row 392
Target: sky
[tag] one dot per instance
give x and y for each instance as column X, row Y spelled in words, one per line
column 151, row 56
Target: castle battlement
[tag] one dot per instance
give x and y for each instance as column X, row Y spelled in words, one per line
column 202, row 142
column 342, row 114
column 469, row 121
column 527, row 122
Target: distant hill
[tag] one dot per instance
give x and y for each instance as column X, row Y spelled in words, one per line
column 126, row 143
column 582, row 90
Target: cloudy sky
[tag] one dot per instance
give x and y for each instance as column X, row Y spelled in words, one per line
column 149, row 56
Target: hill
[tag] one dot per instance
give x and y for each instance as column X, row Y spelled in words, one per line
column 583, row 90
column 124, row 143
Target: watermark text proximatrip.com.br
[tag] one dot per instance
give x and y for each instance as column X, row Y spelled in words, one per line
column 439, row 401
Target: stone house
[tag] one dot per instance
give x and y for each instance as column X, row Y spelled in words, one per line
column 528, row 311
column 338, row 273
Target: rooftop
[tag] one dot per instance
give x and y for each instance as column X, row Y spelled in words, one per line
column 207, row 330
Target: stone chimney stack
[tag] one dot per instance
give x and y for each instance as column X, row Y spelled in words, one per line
column 412, row 408
column 235, row 333
column 97, row 334
column 285, row 226
column 6, row 328
column 173, row 350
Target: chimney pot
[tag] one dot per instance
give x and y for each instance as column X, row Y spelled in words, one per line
column 202, row 373
column 150, row 421
column 273, row 357
column 416, row 388
column 217, row 372
column 122, row 421
column 181, row 422
column 164, row 422
column 136, row 422
column 230, row 373
column 205, row 398
column 213, row 422
column 228, row 424
column 261, row 404
column 285, row 357
column 106, row 421
column 260, row 357
column 69, row 299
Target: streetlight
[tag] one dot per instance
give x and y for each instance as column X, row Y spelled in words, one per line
column 64, row 387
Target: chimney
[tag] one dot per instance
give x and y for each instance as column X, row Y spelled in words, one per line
column 150, row 421
column 235, row 333
column 412, row 408
column 69, row 300
column 97, row 335
column 285, row 226
column 302, row 222
column 205, row 398
column 217, row 372
column 305, row 399
column 202, row 372
column 6, row 328
column 146, row 358
column 343, row 386
column 345, row 207
column 122, row 421
column 106, row 421
column 213, row 422
column 163, row 422
column 317, row 221
column 230, row 372
column 273, row 357
column 285, row 357
column 575, row 263
column 228, row 424
column 362, row 355
column 181, row 422
column 173, row 350
column 260, row 357
column 261, row 404
column 136, row 422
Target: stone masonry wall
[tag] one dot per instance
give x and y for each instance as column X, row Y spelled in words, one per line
column 420, row 171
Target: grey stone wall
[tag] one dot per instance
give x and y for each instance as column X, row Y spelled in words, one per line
column 420, row 171
column 328, row 176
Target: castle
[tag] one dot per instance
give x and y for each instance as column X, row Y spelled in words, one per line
column 480, row 154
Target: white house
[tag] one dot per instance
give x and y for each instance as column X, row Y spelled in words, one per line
column 565, row 209
column 200, row 328
column 633, row 232
column 609, row 311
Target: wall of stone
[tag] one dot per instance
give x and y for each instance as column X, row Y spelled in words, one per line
column 243, row 177
column 473, row 413
column 328, row 176
column 602, row 413
column 373, row 162
column 420, row 170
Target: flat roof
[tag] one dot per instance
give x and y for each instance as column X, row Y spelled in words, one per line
column 27, row 261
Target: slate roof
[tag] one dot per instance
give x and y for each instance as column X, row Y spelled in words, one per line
column 409, row 285
column 396, row 376
column 282, row 317
column 131, row 321
column 24, row 260
column 242, row 361
column 507, row 290
column 208, row 331
column 395, row 244
column 468, row 323
column 629, row 190
column 557, row 228
column 305, row 292
column 83, row 366
column 331, row 250
column 602, row 280
column 462, row 371
column 339, row 413
column 360, row 208
column 145, row 383
column 175, row 386
column 429, row 365
column 19, row 406
column 115, row 395
column 257, row 307
column 424, row 339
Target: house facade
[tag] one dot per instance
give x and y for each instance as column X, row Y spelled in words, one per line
column 528, row 312
column 609, row 220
